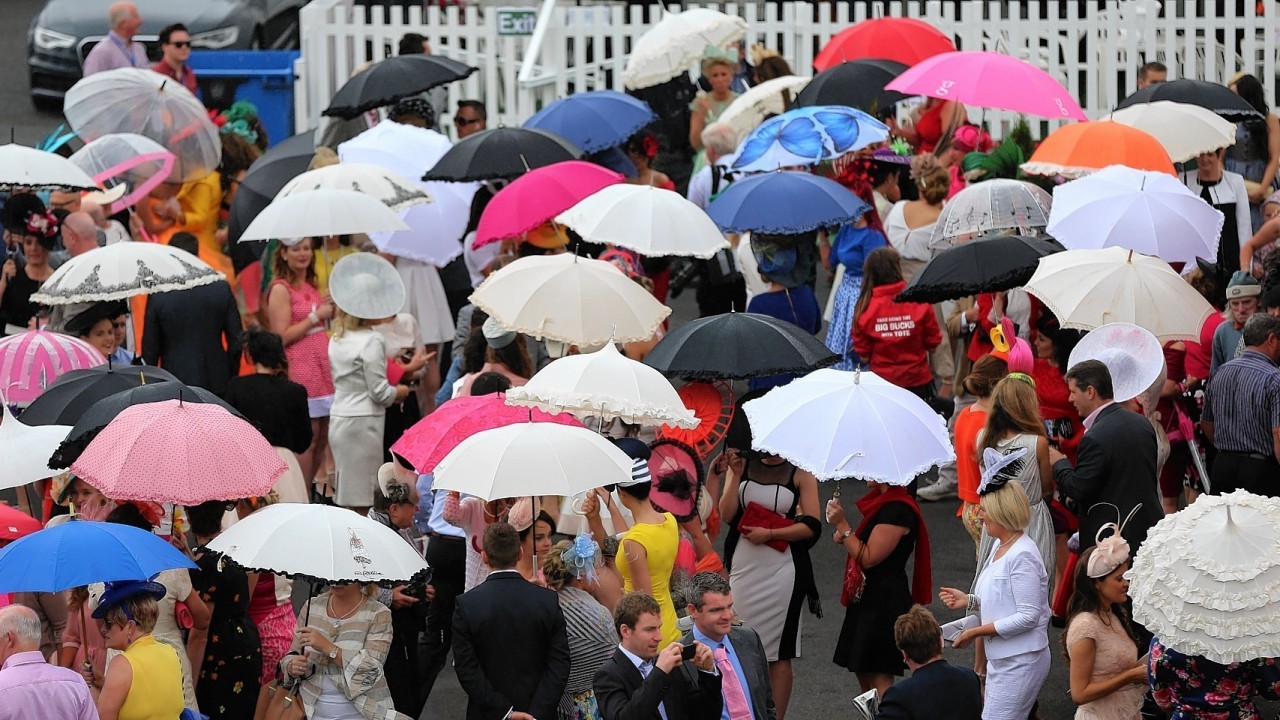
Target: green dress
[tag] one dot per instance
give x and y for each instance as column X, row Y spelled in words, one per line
column 717, row 109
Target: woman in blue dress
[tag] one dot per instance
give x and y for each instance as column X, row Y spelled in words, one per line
column 849, row 249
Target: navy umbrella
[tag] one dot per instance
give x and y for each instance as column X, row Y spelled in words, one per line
column 784, row 203
column 856, row 84
column 501, row 153
column 711, row 347
column 594, row 120
column 987, row 264
column 388, row 81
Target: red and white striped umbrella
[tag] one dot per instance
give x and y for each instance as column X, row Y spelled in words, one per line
column 31, row 361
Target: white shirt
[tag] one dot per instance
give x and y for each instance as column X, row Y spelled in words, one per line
column 700, row 184
column 115, row 232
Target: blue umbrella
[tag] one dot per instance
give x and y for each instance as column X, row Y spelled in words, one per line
column 784, row 203
column 808, row 135
column 79, row 553
column 594, row 120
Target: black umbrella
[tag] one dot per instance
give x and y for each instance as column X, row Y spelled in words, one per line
column 987, row 264
column 503, row 152
column 266, row 176
column 105, row 410
column 75, row 392
column 737, row 346
column 1211, row 96
column 393, row 79
column 856, row 84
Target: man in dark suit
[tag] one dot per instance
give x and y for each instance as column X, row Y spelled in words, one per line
column 641, row 683
column 936, row 690
column 1116, row 461
column 510, row 646
column 195, row 333
column 738, row 653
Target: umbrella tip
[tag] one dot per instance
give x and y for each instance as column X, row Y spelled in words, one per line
column 857, row 377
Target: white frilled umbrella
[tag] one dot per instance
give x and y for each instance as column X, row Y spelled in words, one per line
column 24, row 168
column 26, row 449
column 676, row 42
column 320, row 543
column 998, row 204
column 387, row 186
column 1205, row 580
column 122, row 270
column 652, row 221
column 532, row 459
column 1184, row 130
column 570, row 299
column 317, row 213
column 771, row 97
column 607, row 385
column 1086, row 289
column 838, row 424
column 1149, row 212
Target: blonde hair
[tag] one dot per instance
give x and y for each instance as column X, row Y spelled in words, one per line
column 144, row 608
column 1007, row 507
column 556, row 574
column 708, row 63
column 343, row 322
column 930, row 177
column 1015, row 408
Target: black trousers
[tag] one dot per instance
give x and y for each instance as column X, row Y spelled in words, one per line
column 1238, row 471
column 404, row 667
column 448, row 560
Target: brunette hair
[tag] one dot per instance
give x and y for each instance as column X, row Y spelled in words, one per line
column 1064, row 341
column 931, row 178
column 771, row 68
column 266, row 348
column 882, row 267
column 631, row 606
column 280, row 266
column 1015, row 408
column 984, row 375
column 917, row 634
column 1085, row 599
column 502, row 545
column 514, row 355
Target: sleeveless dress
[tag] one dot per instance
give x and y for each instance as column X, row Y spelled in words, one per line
column 866, row 644
column 1115, row 653
column 156, row 692
column 765, row 579
column 309, row 356
column 1248, row 157
column 275, row 620
column 232, row 668
column 713, row 115
column 1040, row 529
column 660, row 543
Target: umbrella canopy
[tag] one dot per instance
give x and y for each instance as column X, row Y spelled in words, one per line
column 432, row 437
column 1203, row 581
column 139, row 163
column 531, row 459
column 607, row 385
column 138, row 100
column 990, row 80
column 179, row 452
column 1085, row 289
column 1211, row 96
column 784, row 203
column 594, row 120
column 837, row 424
column 82, row 553
column 123, row 270
column 501, row 153
column 538, row 196
column 317, row 213
column 393, row 79
column 266, row 177
column 32, row 361
column 676, row 42
column 24, row 168
column 711, row 347
column 76, row 391
column 1149, row 212
column 998, row 204
column 1081, row 148
column 386, row 186
column 904, row 40
column 652, row 221
column 987, row 264
column 570, row 299
column 24, row 449
column 15, row 524
column 771, row 97
column 1183, row 130
column 856, row 84
column 806, row 136
column 404, row 149
column 320, row 544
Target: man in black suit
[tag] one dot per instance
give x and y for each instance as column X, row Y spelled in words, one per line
column 195, row 333
column 510, row 646
column 641, row 683
column 936, row 690
column 1116, row 461
column 738, row 653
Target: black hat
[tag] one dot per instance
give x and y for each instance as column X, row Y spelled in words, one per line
column 414, row 106
column 25, row 214
column 82, row 323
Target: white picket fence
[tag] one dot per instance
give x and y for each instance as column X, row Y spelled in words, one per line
column 573, row 48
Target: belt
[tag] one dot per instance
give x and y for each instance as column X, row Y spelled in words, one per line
column 446, row 538
column 1251, row 456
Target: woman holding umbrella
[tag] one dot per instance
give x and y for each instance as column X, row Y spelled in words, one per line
column 128, row 612
column 27, row 225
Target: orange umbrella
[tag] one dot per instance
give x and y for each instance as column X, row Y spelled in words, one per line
column 712, row 403
column 1081, row 148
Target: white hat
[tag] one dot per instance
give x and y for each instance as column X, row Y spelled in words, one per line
column 1131, row 353
column 366, row 286
column 106, row 197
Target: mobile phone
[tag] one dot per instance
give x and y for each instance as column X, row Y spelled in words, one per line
column 687, row 651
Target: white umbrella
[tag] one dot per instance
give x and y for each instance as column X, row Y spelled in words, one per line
column 26, row 168
column 607, row 385
column 122, row 270
column 676, row 42
column 320, row 543
column 570, row 299
column 652, row 221
column 770, row 97
column 1149, row 212
column 532, row 459
column 998, row 204
column 317, row 213
column 387, row 186
column 1184, row 130
column 26, row 449
column 839, row 424
column 1086, row 289
column 407, row 149
column 1205, row 579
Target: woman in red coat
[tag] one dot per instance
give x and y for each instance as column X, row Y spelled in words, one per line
column 894, row 338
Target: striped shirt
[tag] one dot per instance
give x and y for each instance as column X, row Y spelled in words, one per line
column 1243, row 403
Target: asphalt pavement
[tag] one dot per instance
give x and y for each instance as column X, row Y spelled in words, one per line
column 17, row 115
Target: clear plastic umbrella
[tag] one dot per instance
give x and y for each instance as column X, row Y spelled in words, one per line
column 991, row 205
column 137, row 162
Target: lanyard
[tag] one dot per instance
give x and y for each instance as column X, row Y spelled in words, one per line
column 124, row 49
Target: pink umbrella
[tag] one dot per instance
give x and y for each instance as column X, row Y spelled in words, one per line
column 184, row 453
column 989, row 80
column 139, row 163
column 431, row 438
column 31, row 361
column 539, row 195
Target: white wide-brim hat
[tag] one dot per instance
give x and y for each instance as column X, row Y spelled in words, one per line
column 366, row 286
column 1131, row 353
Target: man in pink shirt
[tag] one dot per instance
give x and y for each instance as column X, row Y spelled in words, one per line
column 30, row 688
column 117, row 49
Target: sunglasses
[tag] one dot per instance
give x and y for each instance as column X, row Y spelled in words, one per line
column 463, row 122
column 181, row 43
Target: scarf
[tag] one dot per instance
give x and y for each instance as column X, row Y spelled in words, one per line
column 870, row 504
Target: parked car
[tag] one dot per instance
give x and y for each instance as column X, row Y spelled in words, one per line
column 64, row 32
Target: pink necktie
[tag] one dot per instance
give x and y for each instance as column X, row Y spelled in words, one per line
column 735, row 698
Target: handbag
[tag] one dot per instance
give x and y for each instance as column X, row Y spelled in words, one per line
column 281, row 700
column 855, row 580
column 757, row 515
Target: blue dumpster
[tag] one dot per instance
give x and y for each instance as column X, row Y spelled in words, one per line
column 262, row 77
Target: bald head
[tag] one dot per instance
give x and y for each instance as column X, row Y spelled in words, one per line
column 79, row 233
column 19, row 631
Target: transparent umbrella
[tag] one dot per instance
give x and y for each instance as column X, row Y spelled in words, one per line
column 137, row 162
column 991, row 205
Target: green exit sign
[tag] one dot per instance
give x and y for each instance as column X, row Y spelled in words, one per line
column 516, row 21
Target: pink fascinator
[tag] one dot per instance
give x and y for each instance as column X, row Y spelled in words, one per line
column 1112, row 551
column 521, row 514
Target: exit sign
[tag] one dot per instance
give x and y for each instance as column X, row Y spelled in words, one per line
column 516, row 21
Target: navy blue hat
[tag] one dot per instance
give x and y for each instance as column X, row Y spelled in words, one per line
column 118, row 592
column 639, row 454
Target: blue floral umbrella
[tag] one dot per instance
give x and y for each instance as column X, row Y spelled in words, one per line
column 806, row 136
column 784, row 203
column 594, row 120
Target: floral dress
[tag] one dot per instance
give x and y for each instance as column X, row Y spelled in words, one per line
column 231, row 671
column 1190, row 686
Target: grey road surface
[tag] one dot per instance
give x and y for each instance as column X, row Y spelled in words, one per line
column 17, row 115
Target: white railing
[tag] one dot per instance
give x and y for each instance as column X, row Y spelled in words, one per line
column 572, row 48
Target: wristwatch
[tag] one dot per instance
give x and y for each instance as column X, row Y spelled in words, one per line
column 333, row 654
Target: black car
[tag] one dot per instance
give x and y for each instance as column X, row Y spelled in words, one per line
column 64, row 32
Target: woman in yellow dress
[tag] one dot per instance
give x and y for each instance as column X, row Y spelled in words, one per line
column 143, row 682
column 649, row 549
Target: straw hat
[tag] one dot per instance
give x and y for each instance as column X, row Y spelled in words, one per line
column 366, row 286
column 1131, row 353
